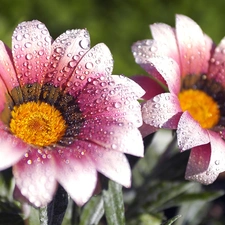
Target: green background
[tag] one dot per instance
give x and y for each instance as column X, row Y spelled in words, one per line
column 117, row 23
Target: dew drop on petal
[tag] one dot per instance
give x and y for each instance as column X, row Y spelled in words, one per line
column 29, row 56
column 72, row 63
column 89, row 65
column 19, row 37
column 217, row 162
column 27, row 44
column 117, row 105
column 114, row 146
column 84, row 43
column 156, row 99
column 29, row 161
column 40, row 53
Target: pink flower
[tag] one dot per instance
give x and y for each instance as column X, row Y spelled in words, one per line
column 64, row 117
column 192, row 69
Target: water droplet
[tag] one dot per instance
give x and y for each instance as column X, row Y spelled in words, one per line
column 27, row 44
column 19, row 37
column 72, row 63
column 114, row 146
column 29, row 56
column 89, row 65
column 84, row 43
column 76, row 57
column 153, row 49
column 117, row 105
column 41, row 53
column 217, row 162
column 29, row 161
column 40, row 26
column 82, row 77
column 156, row 99
column 58, row 50
column 59, row 78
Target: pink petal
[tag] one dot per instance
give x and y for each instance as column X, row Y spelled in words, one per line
column 205, row 162
column 35, row 176
column 111, row 98
column 113, row 135
column 128, row 85
column 146, row 129
column 216, row 64
column 151, row 87
column 170, row 71
column 7, row 72
column 3, row 94
column 31, row 48
column 185, row 136
column 166, row 43
column 67, row 51
column 12, row 148
column 192, row 46
column 142, row 54
column 76, row 172
column 96, row 63
column 112, row 164
column 162, row 111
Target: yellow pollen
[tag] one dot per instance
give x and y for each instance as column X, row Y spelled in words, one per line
column 37, row 123
column 201, row 106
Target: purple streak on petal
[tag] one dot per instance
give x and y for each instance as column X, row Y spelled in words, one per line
column 146, row 129
column 170, row 71
column 205, row 162
column 142, row 55
column 151, row 87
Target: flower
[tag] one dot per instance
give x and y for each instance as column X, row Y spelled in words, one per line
column 64, row 117
column 191, row 67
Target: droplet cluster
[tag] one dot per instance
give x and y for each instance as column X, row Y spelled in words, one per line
column 31, row 48
column 69, row 47
column 152, row 113
column 35, row 174
column 216, row 63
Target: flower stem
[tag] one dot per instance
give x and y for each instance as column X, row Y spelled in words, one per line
column 54, row 212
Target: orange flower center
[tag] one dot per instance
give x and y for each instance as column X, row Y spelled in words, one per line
column 201, row 106
column 37, row 123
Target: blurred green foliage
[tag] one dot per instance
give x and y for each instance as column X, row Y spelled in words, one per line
column 116, row 23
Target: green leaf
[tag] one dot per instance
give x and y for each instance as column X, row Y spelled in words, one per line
column 146, row 219
column 153, row 197
column 113, row 204
column 170, row 221
column 203, row 196
column 92, row 211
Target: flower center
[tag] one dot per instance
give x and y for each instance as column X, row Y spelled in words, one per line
column 37, row 123
column 201, row 106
